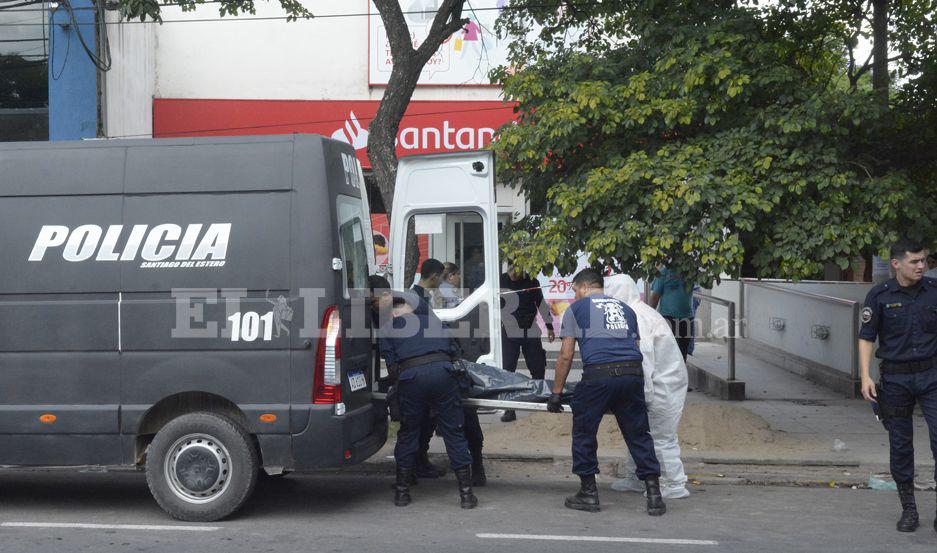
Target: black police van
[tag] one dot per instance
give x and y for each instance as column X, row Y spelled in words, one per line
column 195, row 307
column 181, row 305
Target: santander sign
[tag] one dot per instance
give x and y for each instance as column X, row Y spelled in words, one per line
column 427, row 126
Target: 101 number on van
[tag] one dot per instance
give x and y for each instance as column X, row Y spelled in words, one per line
column 247, row 326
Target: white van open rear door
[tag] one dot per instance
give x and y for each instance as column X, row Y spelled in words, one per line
column 450, row 200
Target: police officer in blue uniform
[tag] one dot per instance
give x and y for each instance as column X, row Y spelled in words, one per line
column 431, row 272
column 420, row 351
column 902, row 314
column 612, row 380
column 430, row 276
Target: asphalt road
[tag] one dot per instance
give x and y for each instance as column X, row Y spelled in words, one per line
column 354, row 513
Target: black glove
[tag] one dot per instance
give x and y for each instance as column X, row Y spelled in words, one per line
column 554, row 405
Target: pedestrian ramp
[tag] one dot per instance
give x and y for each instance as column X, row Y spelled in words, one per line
column 755, row 377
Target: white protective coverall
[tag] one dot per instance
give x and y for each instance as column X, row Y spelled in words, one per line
column 665, row 386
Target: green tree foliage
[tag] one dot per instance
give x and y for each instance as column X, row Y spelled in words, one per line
column 708, row 135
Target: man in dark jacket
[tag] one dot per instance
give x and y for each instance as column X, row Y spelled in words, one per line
column 521, row 299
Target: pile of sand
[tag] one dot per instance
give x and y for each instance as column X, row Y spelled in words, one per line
column 723, row 426
column 710, row 426
column 545, row 433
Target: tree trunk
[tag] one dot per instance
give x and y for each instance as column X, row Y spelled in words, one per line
column 880, row 78
column 382, row 147
column 408, row 64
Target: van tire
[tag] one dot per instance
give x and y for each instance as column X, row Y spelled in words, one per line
column 201, row 467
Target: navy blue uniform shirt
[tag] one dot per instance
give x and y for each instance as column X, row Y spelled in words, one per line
column 903, row 320
column 606, row 329
column 424, row 304
column 412, row 335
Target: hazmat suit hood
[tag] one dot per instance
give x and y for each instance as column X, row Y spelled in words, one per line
column 623, row 288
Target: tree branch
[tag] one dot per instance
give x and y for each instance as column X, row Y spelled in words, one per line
column 866, row 66
column 395, row 25
column 447, row 21
column 856, row 163
column 851, row 68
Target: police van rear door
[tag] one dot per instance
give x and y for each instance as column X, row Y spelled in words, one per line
column 346, row 358
column 450, row 200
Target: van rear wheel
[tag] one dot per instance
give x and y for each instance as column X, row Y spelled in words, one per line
column 201, row 467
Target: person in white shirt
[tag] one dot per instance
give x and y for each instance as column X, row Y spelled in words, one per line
column 450, row 287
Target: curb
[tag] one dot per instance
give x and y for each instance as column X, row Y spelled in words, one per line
column 701, row 471
column 724, row 389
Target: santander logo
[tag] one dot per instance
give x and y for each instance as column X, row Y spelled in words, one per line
column 437, row 136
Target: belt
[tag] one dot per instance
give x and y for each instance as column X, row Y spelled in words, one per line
column 420, row 360
column 911, row 367
column 607, row 370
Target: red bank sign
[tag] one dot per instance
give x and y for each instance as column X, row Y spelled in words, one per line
column 427, row 126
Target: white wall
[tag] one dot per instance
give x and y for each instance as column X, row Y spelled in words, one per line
column 131, row 83
column 318, row 59
column 801, row 314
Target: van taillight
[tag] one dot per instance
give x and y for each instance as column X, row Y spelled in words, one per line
column 327, row 381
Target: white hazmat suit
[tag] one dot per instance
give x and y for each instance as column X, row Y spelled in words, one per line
column 665, row 387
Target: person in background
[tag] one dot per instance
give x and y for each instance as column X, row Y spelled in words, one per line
column 674, row 299
column 519, row 329
column 449, row 289
column 474, row 275
column 931, row 265
column 696, row 304
column 430, row 278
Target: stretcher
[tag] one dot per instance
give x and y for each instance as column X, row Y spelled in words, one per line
column 495, row 404
column 511, row 391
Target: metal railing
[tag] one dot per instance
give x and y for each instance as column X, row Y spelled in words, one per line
column 854, row 352
column 730, row 305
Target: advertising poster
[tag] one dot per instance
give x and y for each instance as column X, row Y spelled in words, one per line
column 380, row 228
column 464, row 59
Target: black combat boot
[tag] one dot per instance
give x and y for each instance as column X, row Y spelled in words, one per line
column 587, row 499
column 402, row 487
column 909, row 518
column 655, row 501
column 464, row 477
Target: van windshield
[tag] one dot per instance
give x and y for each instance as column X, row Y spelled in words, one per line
column 353, row 243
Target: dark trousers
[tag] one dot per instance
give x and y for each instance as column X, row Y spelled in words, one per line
column 473, row 434
column 683, row 331
column 902, row 391
column 623, row 396
column 431, row 389
column 530, row 343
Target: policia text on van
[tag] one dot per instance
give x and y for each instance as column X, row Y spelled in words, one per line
column 99, row 240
